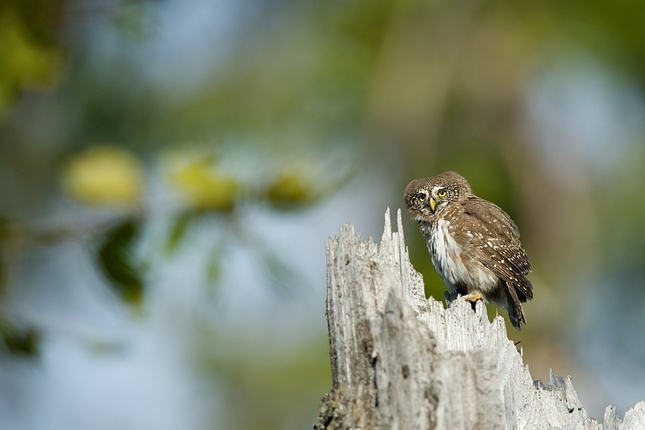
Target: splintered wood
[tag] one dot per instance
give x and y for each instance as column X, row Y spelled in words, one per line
column 401, row 361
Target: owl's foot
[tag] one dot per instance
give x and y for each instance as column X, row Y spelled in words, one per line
column 474, row 297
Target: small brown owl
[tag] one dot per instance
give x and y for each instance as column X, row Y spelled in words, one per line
column 475, row 246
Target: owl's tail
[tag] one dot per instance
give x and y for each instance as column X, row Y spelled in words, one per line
column 516, row 294
column 524, row 290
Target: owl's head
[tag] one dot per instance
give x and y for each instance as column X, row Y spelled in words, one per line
column 427, row 197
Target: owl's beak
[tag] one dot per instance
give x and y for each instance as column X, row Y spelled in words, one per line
column 433, row 203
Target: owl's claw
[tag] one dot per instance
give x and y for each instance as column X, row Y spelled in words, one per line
column 474, row 297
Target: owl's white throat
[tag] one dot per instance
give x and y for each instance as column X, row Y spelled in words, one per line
column 445, row 252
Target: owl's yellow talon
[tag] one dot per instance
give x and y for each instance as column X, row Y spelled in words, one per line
column 474, row 297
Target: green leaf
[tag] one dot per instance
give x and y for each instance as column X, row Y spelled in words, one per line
column 115, row 260
column 214, row 267
column 24, row 341
column 177, row 232
column 290, row 190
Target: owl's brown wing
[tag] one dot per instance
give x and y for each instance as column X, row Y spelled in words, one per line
column 496, row 237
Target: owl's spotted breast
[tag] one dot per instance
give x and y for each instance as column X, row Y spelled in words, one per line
column 456, row 269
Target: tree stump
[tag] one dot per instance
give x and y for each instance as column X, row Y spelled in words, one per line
column 401, row 361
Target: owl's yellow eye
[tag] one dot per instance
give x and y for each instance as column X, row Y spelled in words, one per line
column 441, row 193
column 422, row 198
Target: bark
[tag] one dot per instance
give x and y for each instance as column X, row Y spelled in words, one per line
column 401, row 361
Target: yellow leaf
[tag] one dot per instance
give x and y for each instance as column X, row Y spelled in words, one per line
column 290, row 189
column 205, row 187
column 104, row 175
column 23, row 61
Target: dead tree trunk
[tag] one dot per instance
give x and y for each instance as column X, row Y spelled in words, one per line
column 401, row 361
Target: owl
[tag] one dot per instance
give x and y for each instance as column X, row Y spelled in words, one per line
column 475, row 246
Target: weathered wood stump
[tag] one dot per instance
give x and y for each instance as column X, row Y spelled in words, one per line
column 401, row 361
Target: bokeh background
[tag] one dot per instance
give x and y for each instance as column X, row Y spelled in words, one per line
column 171, row 169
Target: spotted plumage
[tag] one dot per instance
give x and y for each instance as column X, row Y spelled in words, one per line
column 475, row 246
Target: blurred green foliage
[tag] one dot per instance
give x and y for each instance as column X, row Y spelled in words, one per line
column 621, row 201
column 180, row 225
column 4, row 233
column 116, row 260
column 134, row 19
column 410, row 87
column 289, row 189
column 206, row 188
column 30, row 55
column 266, row 388
column 104, row 175
column 19, row 340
